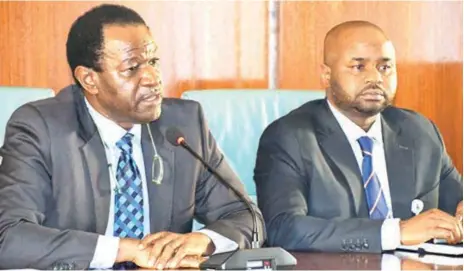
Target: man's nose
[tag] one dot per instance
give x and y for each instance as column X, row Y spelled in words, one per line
column 150, row 76
column 373, row 76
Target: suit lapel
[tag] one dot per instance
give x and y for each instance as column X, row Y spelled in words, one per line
column 160, row 195
column 399, row 157
column 95, row 161
column 93, row 153
column 343, row 162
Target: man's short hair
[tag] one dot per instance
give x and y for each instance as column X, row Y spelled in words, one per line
column 85, row 38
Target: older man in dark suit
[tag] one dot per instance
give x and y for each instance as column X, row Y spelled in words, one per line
column 88, row 178
column 341, row 174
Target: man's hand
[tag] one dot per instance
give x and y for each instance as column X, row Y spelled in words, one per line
column 128, row 248
column 167, row 249
column 191, row 262
column 188, row 262
column 129, row 251
column 458, row 214
column 428, row 225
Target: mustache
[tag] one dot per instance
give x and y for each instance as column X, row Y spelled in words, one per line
column 372, row 86
column 158, row 90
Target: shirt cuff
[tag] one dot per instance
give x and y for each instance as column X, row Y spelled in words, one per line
column 390, row 233
column 105, row 252
column 222, row 244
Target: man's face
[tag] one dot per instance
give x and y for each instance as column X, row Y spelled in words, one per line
column 129, row 86
column 363, row 74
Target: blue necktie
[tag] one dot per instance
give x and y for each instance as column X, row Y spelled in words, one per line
column 375, row 199
column 128, row 200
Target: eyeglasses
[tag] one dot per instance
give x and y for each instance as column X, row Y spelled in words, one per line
column 157, row 162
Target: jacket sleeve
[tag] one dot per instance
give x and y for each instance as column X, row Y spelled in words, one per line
column 450, row 181
column 26, row 195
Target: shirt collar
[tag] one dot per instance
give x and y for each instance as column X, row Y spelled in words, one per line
column 352, row 131
column 109, row 131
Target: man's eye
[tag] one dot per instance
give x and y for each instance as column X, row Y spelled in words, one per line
column 133, row 68
column 385, row 67
column 153, row 61
column 358, row 67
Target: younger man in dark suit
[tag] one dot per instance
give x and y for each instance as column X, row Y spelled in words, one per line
column 340, row 174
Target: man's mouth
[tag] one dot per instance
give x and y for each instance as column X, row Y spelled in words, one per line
column 154, row 95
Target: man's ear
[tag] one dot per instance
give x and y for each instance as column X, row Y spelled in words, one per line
column 87, row 78
column 325, row 76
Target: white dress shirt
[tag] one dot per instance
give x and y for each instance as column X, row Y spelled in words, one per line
column 107, row 245
column 390, row 232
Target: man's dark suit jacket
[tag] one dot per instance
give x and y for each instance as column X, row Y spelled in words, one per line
column 55, row 187
column 309, row 185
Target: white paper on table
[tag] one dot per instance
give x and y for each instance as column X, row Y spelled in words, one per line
column 438, row 249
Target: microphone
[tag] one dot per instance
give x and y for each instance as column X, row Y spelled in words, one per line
column 176, row 138
column 271, row 258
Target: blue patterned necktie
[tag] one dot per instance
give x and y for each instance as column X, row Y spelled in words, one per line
column 375, row 199
column 128, row 200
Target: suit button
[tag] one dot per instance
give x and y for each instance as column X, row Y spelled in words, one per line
column 358, row 245
column 349, row 245
column 365, row 244
column 58, row 266
column 352, row 246
column 344, row 246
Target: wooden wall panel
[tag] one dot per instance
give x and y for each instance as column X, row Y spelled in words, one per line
column 203, row 44
column 223, row 44
column 428, row 39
